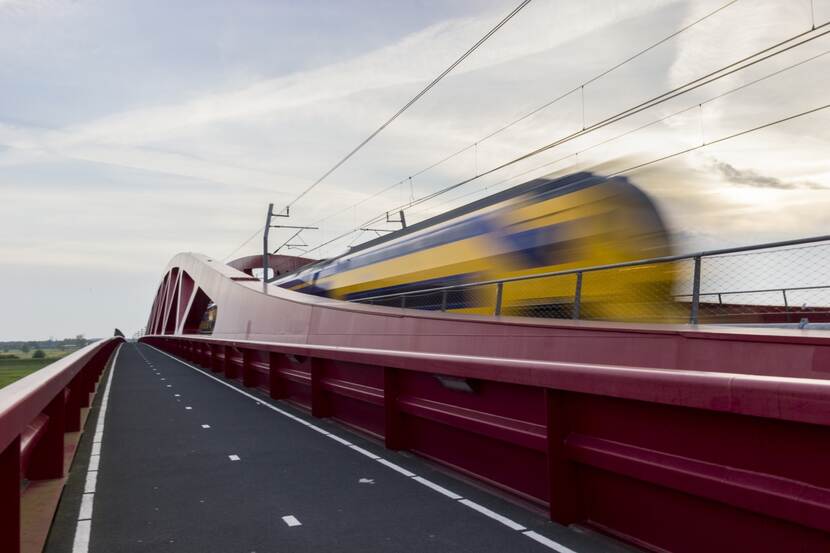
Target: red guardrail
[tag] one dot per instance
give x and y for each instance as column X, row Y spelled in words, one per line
column 35, row 412
column 670, row 460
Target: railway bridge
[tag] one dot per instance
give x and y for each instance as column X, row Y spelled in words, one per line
column 303, row 423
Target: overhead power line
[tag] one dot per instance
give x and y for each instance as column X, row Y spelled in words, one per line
column 406, row 106
column 781, row 47
column 540, row 108
column 397, row 114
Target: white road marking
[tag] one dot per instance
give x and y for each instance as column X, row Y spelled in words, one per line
column 177, row 395
column 86, row 506
column 188, row 407
column 513, row 525
column 395, row 467
column 440, row 489
column 233, row 457
column 337, row 438
column 291, row 521
column 91, row 481
column 205, row 426
column 548, row 542
column 365, row 452
column 80, row 544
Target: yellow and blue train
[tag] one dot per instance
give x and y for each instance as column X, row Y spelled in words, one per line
column 541, row 226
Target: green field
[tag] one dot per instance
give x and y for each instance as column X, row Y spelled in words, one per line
column 14, row 369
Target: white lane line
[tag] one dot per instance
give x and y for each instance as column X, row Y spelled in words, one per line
column 81, row 543
column 177, row 395
column 205, row 426
column 291, row 521
column 548, row 542
column 188, row 407
column 365, row 452
column 395, row 467
column 337, row 438
column 86, row 506
column 233, row 457
column 539, row 538
column 83, row 529
column 513, row 525
column 91, row 481
column 435, row 487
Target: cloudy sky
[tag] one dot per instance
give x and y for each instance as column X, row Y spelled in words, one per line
column 132, row 130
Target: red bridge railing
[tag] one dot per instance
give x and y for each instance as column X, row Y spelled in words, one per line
column 670, row 460
column 35, row 413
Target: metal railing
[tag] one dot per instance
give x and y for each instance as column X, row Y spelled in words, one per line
column 710, row 275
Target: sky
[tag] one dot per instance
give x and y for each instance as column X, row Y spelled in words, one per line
column 134, row 130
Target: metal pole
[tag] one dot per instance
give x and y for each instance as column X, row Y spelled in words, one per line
column 444, row 299
column 265, row 245
column 786, row 304
column 403, row 301
column 695, row 292
column 577, row 295
column 499, row 292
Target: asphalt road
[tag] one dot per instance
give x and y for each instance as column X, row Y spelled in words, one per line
column 184, row 461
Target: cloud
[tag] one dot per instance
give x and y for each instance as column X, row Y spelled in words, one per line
column 748, row 177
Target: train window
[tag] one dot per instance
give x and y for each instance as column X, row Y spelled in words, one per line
column 208, row 319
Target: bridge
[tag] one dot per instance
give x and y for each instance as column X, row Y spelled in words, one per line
column 303, row 423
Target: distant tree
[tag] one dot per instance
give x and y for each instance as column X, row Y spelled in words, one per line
column 25, row 348
column 38, row 354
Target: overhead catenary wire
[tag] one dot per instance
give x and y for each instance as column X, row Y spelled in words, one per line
column 243, row 244
column 414, row 99
column 397, row 114
column 534, row 111
column 653, row 122
column 776, row 49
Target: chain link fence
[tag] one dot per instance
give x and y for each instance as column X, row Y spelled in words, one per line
column 782, row 282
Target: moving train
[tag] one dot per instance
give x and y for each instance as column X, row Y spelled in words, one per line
column 541, row 226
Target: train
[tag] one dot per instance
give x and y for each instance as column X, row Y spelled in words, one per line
column 541, row 226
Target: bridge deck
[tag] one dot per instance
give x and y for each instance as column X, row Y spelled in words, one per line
column 188, row 462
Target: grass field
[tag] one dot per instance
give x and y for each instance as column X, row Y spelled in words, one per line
column 14, row 369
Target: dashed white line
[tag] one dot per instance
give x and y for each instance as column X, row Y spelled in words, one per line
column 86, row 506
column 513, row 525
column 365, row 452
column 337, row 438
column 435, row 487
column 80, row 543
column 188, row 407
column 548, row 542
column 91, row 481
column 291, row 521
column 395, row 467
column 205, row 426
column 233, row 457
